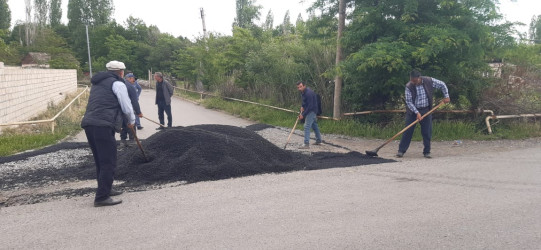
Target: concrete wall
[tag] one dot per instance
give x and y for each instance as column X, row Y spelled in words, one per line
column 24, row 93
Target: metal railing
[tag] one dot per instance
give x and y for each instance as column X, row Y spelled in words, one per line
column 52, row 120
column 487, row 119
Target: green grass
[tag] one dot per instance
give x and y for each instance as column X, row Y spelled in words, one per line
column 442, row 129
column 40, row 135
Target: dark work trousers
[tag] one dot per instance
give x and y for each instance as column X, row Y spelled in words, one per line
column 167, row 108
column 103, row 144
column 426, row 131
column 126, row 131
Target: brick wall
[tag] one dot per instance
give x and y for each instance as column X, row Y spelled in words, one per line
column 24, row 93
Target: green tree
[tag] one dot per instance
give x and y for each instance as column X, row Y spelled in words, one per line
column 161, row 55
column 41, row 11
column 89, row 12
column 247, row 13
column 449, row 40
column 535, row 29
column 55, row 13
column 5, row 15
column 269, row 21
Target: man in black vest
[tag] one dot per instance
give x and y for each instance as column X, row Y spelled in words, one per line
column 419, row 98
column 107, row 103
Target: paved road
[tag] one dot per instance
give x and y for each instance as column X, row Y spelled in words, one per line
column 484, row 201
column 184, row 114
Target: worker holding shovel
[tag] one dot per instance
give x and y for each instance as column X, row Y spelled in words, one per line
column 419, row 100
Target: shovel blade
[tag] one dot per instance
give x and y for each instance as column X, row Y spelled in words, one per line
column 371, row 153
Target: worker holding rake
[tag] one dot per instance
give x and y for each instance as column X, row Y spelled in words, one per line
column 419, row 101
column 309, row 110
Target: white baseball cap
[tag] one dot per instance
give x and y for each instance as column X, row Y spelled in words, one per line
column 115, row 65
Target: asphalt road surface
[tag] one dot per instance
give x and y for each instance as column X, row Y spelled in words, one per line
column 490, row 200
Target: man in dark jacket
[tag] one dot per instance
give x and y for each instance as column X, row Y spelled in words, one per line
column 309, row 109
column 134, row 99
column 419, row 98
column 164, row 91
column 107, row 103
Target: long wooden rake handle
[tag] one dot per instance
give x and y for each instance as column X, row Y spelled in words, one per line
column 289, row 137
column 154, row 122
column 409, row 126
column 139, row 143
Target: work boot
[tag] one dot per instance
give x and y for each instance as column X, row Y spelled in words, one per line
column 304, row 146
column 399, row 154
column 317, row 143
column 107, row 202
column 115, row 193
column 160, row 128
column 139, row 127
column 427, row 155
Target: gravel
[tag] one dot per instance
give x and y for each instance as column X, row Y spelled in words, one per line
column 177, row 156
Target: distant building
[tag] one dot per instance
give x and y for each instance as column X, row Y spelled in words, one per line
column 36, row 60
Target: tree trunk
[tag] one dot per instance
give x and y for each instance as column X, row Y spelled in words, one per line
column 337, row 113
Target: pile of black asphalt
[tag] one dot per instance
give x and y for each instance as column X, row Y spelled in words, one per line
column 214, row 152
column 179, row 154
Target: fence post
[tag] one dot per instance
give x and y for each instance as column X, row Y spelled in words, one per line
column 52, row 127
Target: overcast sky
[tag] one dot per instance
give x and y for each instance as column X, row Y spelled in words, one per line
column 182, row 17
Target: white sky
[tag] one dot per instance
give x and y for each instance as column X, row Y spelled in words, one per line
column 182, row 17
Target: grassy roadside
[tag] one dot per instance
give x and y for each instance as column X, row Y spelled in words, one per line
column 442, row 130
column 26, row 137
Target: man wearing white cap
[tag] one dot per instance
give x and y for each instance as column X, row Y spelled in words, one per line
column 107, row 103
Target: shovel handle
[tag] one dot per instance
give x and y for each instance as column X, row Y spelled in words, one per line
column 412, row 124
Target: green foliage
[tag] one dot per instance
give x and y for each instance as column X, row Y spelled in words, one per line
column 55, row 13
column 447, row 40
column 535, row 29
column 89, row 12
column 5, row 15
column 247, row 13
column 442, row 129
column 161, row 55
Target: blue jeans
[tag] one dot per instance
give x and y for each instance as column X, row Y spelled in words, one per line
column 137, row 121
column 426, row 131
column 310, row 122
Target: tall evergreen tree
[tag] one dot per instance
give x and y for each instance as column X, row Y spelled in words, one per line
column 269, row 21
column 41, row 11
column 5, row 15
column 55, row 13
column 247, row 13
column 89, row 12
column 535, row 29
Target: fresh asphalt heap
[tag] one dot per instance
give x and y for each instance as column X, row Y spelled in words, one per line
column 179, row 154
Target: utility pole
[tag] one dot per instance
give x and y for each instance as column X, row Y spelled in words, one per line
column 203, row 20
column 88, row 45
column 337, row 112
column 198, row 82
